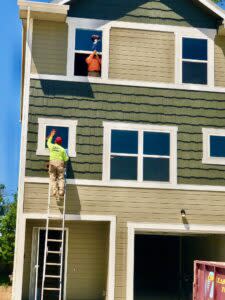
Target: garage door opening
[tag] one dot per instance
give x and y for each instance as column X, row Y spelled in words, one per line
column 163, row 265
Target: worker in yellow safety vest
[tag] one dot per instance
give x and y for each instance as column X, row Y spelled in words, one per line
column 58, row 159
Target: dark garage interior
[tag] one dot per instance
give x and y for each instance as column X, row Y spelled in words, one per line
column 163, row 264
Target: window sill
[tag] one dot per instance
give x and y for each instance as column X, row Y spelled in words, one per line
column 136, row 184
column 213, row 161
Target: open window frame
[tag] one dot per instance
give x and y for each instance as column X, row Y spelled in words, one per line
column 207, row 158
column 109, row 126
column 92, row 25
column 72, row 128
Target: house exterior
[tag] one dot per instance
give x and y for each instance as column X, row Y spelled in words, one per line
column 146, row 140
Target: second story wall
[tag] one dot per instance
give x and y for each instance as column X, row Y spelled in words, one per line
column 49, row 48
column 142, row 55
column 91, row 104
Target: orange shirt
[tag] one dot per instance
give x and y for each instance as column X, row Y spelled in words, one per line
column 94, row 63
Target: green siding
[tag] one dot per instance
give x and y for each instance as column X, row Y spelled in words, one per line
column 93, row 104
column 172, row 12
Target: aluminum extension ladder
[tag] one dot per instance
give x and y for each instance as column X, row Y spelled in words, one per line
column 57, row 286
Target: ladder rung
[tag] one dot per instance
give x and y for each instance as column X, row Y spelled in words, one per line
column 60, row 217
column 53, row 264
column 52, row 289
column 54, row 252
column 57, row 241
column 52, row 276
column 55, row 228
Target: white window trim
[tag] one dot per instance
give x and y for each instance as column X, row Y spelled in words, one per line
column 210, row 61
column 207, row 159
column 106, row 25
column 108, row 126
column 151, row 228
column 71, row 124
column 88, row 24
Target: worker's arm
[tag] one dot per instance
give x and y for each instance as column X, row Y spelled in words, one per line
column 65, row 156
column 49, row 138
column 99, row 59
column 90, row 57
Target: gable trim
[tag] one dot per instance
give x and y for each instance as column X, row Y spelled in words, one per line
column 207, row 3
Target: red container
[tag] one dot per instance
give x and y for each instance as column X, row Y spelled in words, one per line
column 209, row 281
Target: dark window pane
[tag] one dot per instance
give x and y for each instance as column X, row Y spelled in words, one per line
column 80, row 66
column 195, row 49
column 123, row 168
column 195, row 73
column 156, row 169
column 84, row 41
column 124, row 141
column 217, row 146
column 156, row 143
column 60, row 131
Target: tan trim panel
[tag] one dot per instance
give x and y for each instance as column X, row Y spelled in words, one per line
column 49, row 48
column 220, row 61
column 142, row 55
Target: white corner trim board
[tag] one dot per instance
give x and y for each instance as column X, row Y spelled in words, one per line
column 207, row 158
column 44, row 122
column 148, row 228
column 20, row 223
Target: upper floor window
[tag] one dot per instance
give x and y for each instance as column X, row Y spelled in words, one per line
column 88, row 52
column 142, row 153
column 194, row 61
column 213, row 146
column 64, row 128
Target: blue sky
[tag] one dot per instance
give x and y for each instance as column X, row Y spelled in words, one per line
column 10, row 62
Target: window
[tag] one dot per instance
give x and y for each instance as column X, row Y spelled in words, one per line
column 213, row 146
column 194, row 61
column 84, row 46
column 64, row 128
column 143, row 153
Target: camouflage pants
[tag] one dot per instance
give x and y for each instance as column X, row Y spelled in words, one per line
column 56, row 174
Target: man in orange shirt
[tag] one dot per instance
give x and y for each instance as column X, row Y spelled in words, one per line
column 94, row 64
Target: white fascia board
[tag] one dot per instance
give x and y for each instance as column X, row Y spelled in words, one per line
column 61, row 2
column 213, row 7
column 43, row 7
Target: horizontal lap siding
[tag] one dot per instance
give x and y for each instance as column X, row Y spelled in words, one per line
column 93, row 104
column 139, row 205
column 87, row 259
column 141, row 55
column 220, row 61
column 49, row 55
column 173, row 12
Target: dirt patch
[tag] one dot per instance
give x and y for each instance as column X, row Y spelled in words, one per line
column 5, row 292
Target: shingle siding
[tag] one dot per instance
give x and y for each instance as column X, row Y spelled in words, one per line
column 95, row 103
column 168, row 12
